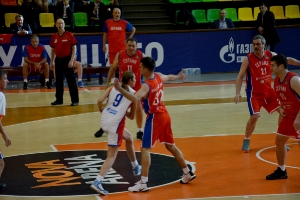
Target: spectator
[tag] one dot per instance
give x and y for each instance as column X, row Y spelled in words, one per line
column 110, row 7
column 81, row 5
column 43, row 5
column 35, row 59
column 265, row 24
column 30, row 12
column 222, row 22
column 65, row 9
column 19, row 27
column 96, row 11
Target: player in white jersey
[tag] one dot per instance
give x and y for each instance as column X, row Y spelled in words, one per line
column 3, row 83
column 113, row 123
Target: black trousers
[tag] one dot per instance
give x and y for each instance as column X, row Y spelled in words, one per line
column 61, row 70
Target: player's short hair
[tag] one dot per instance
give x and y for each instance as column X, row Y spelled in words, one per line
column 2, row 72
column 280, row 59
column 259, row 37
column 262, row 4
column 126, row 77
column 148, row 63
column 34, row 37
column 17, row 16
column 131, row 40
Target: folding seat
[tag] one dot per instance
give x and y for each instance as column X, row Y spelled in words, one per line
column 224, row 0
column 231, row 13
column 193, row 1
column 209, row 0
column 9, row 18
column 199, row 16
column 106, row 2
column 80, row 19
column 47, row 20
column 176, row 13
column 292, row 11
column 245, row 14
column 213, row 14
column 177, row 1
column 278, row 12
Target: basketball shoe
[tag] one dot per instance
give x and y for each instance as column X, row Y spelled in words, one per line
column 187, row 177
column 139, row 187
column 139, row 135
column 245, row 147
column 97, row 186
column 277, row 174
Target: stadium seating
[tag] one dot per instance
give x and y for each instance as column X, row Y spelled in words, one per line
column 47, row 20
column 193, row 1
column 278, row 12
column 9, row 18
column 231, row 13
column 80, row 19
column 245, row 14
column 177, row 1
column 176, row 13
column 106, row 2
column 292, row 11
column 209, row 0
column 199, row 16
column 213, row 14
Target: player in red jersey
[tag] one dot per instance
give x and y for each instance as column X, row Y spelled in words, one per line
column 287, row 88
column 259, row 91
column 115, row 32
column 158, row 123
column 128, row 60
column 35, row 59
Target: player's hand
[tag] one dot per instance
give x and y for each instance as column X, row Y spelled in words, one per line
column 297, row 124
column 38, row 66
column 117, row 84
column 281, row 111
column 7, row 140
column 104, row 49
column 70, row 65
column 182, row 75
column 237, row 98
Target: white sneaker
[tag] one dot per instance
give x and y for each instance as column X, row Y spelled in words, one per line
column 187, row 177
column 139, row 187
column 97, row 186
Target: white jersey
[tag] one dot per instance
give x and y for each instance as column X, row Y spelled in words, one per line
column 2, row 104
column 113, row 114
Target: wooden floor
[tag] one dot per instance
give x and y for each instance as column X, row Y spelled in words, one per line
column 207, row 125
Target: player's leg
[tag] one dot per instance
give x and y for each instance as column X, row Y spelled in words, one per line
column 2, row 185
column 46, row 69
column 136, row 168
column 25, row 70
column 139, row 120
column 78, row 67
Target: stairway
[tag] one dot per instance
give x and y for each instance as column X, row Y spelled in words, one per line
column 147, row 15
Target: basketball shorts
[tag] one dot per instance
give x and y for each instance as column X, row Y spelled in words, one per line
column 270, row 104
column 114, row 133
column 157, row 127
column 112, row 56
column 286, row 128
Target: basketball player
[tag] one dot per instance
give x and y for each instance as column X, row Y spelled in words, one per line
column 287, row 88
column 35, row 59
column 158, row 122
column 3, row 83
column 113, row 123
column 128, row 59
column 259, row 91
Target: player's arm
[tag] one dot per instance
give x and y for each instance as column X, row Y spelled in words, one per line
column 112, row 69
column 52, row 57
column 4, row 135
column 103, row 97
column 239, row 79
column 73, row 55
column 131, row 114
column 26, row 60
column 295, row 85
column 104, row 42
column 293, row 61
column 171, row 77
column 131, row 33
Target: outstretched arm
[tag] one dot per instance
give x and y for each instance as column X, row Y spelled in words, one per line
column 171, row 77
column 293, row 61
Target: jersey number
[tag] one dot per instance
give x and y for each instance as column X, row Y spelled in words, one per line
column 129, row 67
column 263, row 71
column 118, row 99
column 158, row 97
column 282, row 96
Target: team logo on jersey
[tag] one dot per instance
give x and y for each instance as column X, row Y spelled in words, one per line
column 72, row 172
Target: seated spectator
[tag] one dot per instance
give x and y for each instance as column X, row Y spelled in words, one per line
column 96, row 12
column 19, row 27
column 43, row 5
column 65, row 9
column 222, row 22
column 81, row 5
column 110, row 7
column 35, row 59
column 30, row 12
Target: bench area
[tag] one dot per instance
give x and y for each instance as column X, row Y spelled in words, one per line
column 17, row 71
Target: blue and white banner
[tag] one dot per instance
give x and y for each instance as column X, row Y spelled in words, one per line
column 218, row 51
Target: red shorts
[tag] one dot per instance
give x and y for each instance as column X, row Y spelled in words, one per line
column 111, row 56
column 158, row 126
column 286, row 128
column 270, row 104
column 32, row 69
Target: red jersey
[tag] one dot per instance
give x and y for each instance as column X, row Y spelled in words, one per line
column 35, row 54
column 131, row 63
column 259, row 75
column 289, row 99
column 63, row 44
column 153, row 103
column 116, row 33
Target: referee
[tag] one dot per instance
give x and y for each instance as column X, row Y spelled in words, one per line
column 63, row 48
